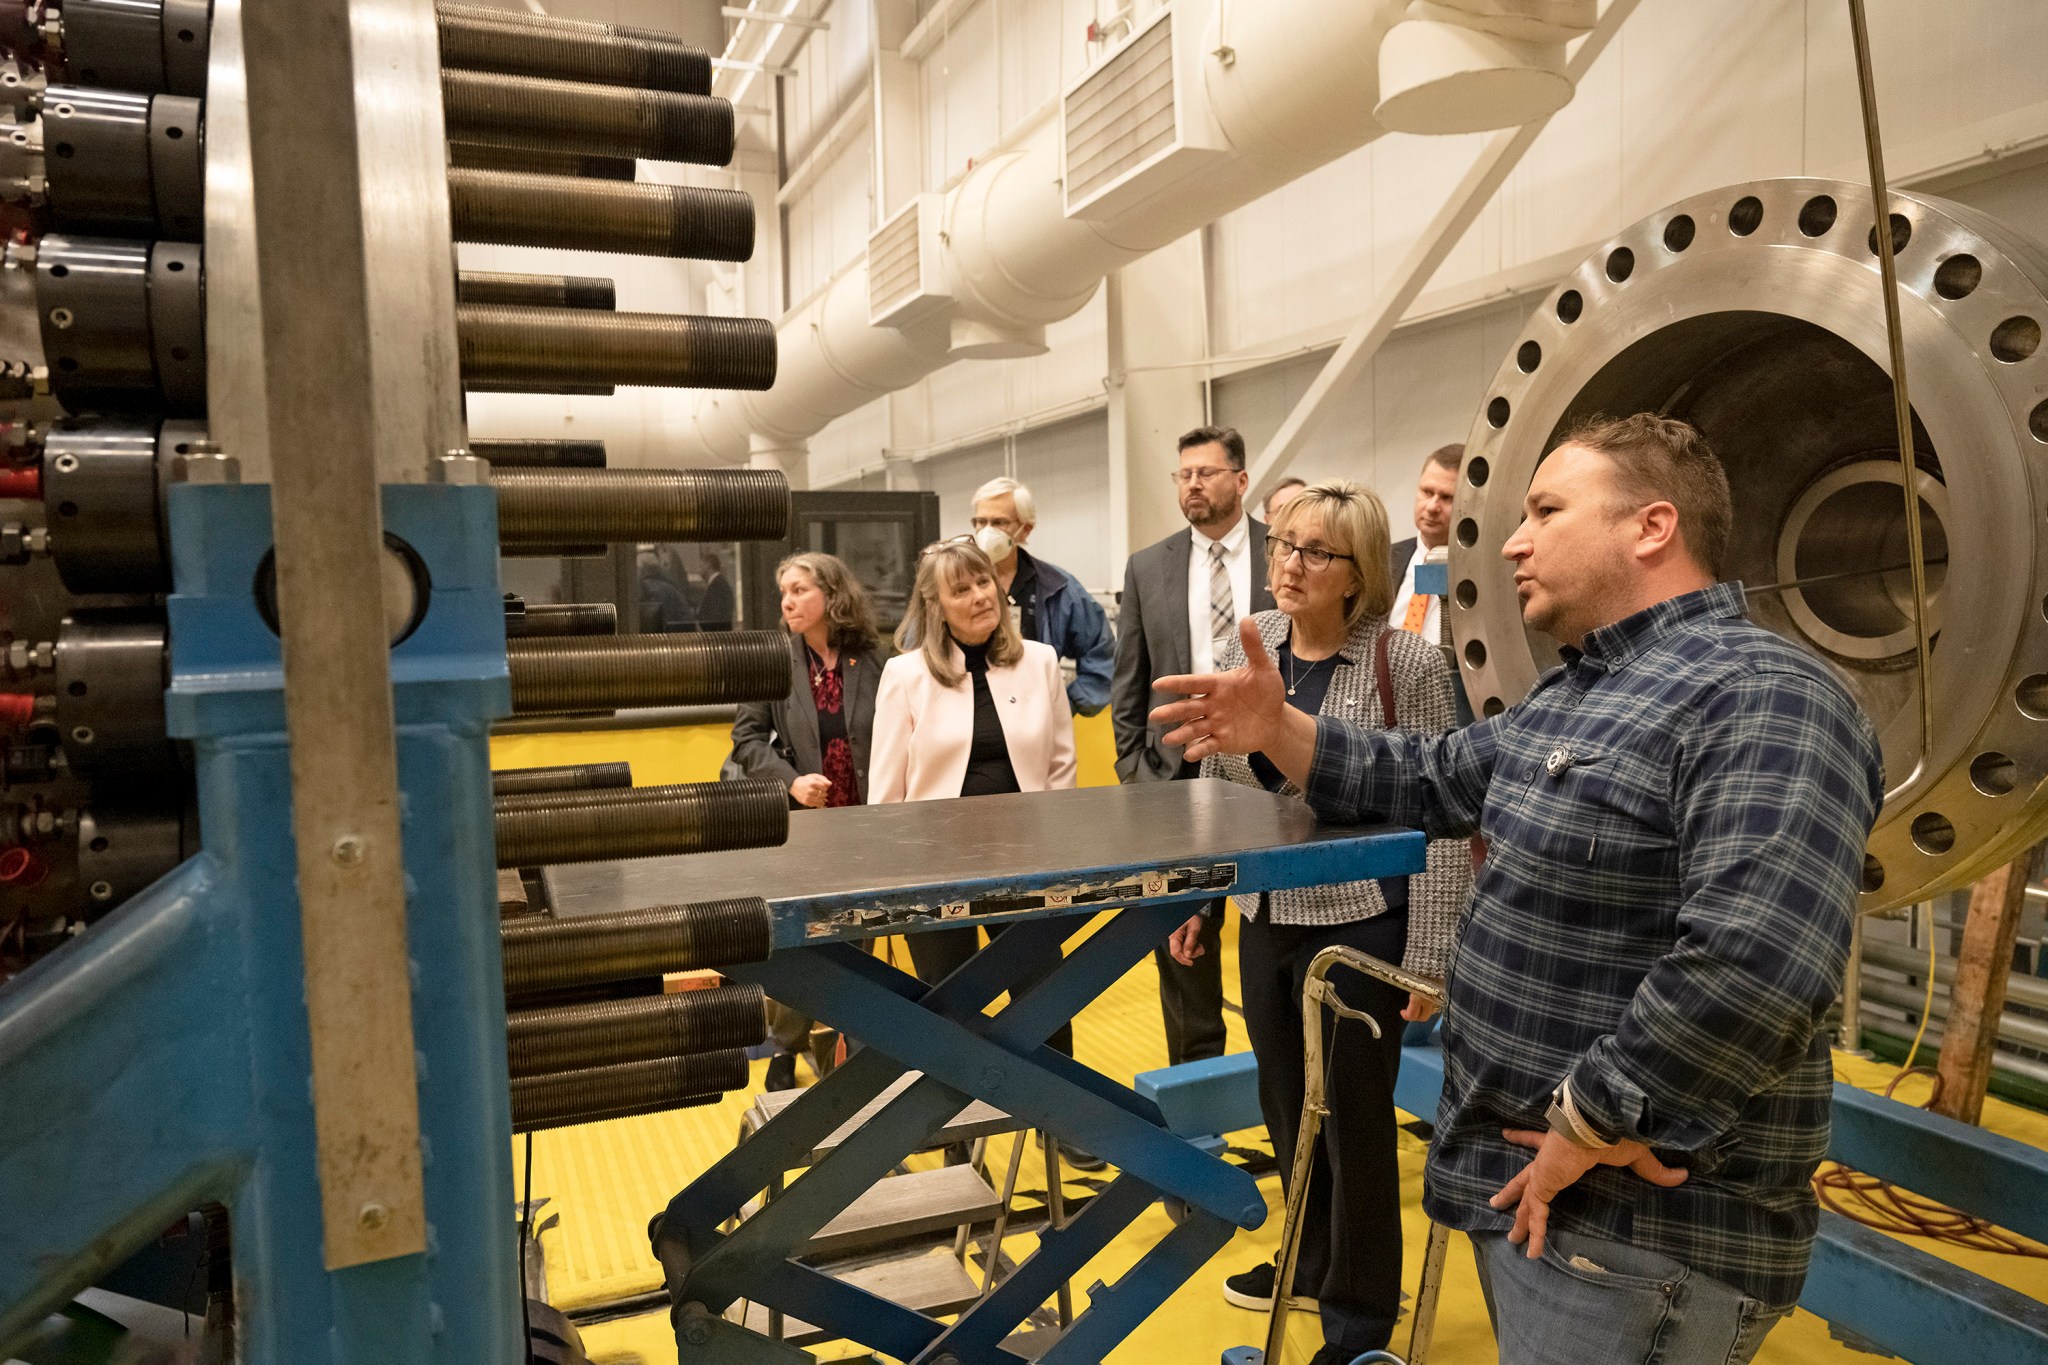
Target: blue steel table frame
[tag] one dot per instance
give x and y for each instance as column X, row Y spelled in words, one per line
column 162, row 1061
column 940, row 1030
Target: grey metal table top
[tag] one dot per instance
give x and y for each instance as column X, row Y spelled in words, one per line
column 864, row 870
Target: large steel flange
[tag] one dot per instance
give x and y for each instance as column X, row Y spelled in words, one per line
column 1755, row 313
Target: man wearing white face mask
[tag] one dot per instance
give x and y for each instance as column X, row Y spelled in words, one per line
column 1048, row 604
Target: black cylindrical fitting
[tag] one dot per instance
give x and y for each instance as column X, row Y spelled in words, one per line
column 479, row 156
column 519, row 347
column 608, row 1092
column 571, row 777
column 535, row 291
column 562, row 954
column 549, row 620
column 647, row 822
column 598, row 120
column 602, row 673
column 661, row 505
column 510, row 208
column 539, row 454
column 609, row 1032
column 483, row 38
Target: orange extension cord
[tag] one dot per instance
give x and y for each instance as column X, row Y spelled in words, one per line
column 1879, row 1204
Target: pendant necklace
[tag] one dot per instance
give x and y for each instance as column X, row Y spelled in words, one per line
column 1309, row 672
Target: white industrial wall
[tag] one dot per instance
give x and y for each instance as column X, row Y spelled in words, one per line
column 1689, row 97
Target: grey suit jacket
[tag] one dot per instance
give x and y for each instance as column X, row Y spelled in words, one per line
column 779, row 739
column 1398, row 555
column 1152, row 642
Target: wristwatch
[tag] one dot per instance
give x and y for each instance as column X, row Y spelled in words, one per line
column 1565, row 1120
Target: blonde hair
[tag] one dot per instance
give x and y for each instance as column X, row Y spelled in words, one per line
column 1354, row 522
column 952, row 563
column 847, row 609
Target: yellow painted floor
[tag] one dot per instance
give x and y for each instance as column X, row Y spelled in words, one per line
column 607, row 1179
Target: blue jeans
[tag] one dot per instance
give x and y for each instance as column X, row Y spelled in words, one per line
column 1590, row 1301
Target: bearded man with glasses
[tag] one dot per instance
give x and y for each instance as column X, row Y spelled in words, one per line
column 1180, row 597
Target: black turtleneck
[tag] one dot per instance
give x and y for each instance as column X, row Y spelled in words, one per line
column 988, row 758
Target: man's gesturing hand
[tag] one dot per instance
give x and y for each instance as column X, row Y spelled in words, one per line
column 1557, row 1166
column 1239, row 712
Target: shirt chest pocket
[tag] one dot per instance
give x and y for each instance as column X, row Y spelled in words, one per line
column 1604, row 819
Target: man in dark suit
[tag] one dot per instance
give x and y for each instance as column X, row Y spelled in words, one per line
column 1435, row 488
column 1181, row 596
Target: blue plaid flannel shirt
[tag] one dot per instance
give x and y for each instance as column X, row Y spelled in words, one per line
column 1675, row 822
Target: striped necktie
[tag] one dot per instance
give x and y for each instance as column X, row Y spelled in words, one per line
column 1222, row 606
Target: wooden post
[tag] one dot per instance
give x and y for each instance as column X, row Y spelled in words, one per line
column 1978, row 996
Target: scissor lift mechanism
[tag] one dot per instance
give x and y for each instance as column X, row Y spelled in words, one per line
column 1041, row 865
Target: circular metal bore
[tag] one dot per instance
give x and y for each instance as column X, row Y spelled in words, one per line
column 1766, row 332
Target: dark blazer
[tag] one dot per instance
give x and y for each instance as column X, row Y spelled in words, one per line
column 1152, row 642
column 779, row 739
column 1398, row 556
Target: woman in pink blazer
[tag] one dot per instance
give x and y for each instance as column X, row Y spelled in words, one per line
column 969, row 708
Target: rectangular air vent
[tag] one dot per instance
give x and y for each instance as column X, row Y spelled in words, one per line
column 905, row 279
column 1137, row 122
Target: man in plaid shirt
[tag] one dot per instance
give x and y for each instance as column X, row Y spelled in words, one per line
column 1676, row 821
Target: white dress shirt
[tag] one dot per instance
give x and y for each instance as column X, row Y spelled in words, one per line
column 1237, row 559
column 1433, row 622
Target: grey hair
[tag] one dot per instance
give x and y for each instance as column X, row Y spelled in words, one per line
column 1027, row 506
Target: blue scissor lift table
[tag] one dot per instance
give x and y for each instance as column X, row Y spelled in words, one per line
column 1040, row 865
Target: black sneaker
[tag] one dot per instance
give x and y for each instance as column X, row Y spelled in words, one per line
column 1081, row 1159
column 781, row 1072
column 1253, row 1289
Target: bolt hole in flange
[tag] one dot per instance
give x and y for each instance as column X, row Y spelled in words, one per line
column 1902, row 233
column 1746, row 215
column 1621, row 263
column 1958, row 276
column 1570, row 304
column 1993, row 773
column 1873, row 874
column 1528, row 356
column 1467, row 593
column 2015, row 339
column 1497, row 413
column 1817, row 215
column 1477, row 471
column 1933, row 834
column 1468, row 533
column 1678, row 233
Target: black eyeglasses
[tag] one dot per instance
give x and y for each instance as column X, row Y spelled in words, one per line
column 1313, row 557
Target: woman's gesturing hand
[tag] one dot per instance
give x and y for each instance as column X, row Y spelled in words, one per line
column 811, row 790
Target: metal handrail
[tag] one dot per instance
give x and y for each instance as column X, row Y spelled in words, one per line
column 1316, row 995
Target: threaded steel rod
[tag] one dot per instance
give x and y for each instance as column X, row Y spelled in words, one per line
column 565, row 1097
column 598, row 120
column 535, row 291
column 478, row 156
column 539, row 454
column 481, row 38
column 556, row 619
column 577, row 346
column 570, row 1037
column 599, row 673
column 568, row 777
column 536, row 386
column 648, row 822
column 548, row 507
column 560, row 954
column 510, row 208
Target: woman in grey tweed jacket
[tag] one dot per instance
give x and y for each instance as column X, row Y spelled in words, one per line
column 1328, row 568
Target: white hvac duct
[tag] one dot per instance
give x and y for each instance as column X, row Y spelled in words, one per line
column 1207, row 106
